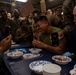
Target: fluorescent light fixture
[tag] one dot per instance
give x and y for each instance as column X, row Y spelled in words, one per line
column 22, row 0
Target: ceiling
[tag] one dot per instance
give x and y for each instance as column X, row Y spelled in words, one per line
column 49, row 3
column 36, row 3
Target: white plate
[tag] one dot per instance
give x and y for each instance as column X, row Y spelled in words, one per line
column 35, row 50
column 36, row 66
column 30, row 55
column 61, row 59
column 14, row 55
column 51, row 69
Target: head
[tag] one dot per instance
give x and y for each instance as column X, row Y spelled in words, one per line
column 9, row 15
column 58, row 11
column 30, row 15
column 42, row 24
column 49, row 11
column 23, row 24
column 74, row 13
column 16, row 13
column 36, row 13
column 3, row 13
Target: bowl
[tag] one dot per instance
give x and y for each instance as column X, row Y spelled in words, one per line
column 36, row 66
column 15, row 55
column 35, row 50
column 51, row 69
column 59, row 59
column 21, row 50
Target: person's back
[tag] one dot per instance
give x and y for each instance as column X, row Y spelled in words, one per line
column 71, row 40
column 54, row 21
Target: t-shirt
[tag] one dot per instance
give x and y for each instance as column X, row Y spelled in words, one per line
column 46, row 38
column 28, row 35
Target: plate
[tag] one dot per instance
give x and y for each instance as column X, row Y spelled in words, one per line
column 15, row 55
column 35, row 50
column 36, row 66
column 51, row 69
column 59, row 59
column 30, row 55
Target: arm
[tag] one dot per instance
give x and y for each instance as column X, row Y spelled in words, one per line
column 5, row 44
column 56, row 50
column 19, row 35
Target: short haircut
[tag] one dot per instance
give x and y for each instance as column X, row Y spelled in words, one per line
column 42, row 18
column 21, row 23
column 58, row 8
column 3, row 10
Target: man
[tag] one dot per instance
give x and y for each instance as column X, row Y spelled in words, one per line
column 4, row 21
column 24, row 33
column 49, row 12
column 45, row 37
column 16, row 19
column 67, row 7
column 58, row 14
column 72, row 35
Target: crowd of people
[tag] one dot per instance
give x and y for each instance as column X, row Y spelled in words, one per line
column 37, row 29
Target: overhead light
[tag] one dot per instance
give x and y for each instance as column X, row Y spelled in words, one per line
column 22, row 0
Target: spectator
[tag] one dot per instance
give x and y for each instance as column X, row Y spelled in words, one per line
column 4, row 21
column 72, row 35
column 67, row 7
column 9, row 15
column 49, row 12
column 24, row 33
column 58, row 14
column 16, row 21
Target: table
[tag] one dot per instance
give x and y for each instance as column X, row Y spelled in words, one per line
column 21, row 66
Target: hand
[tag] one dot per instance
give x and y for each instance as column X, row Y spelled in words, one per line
column 38, row 44
column 61, row 35
column 22, row 35
column 5, row 44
